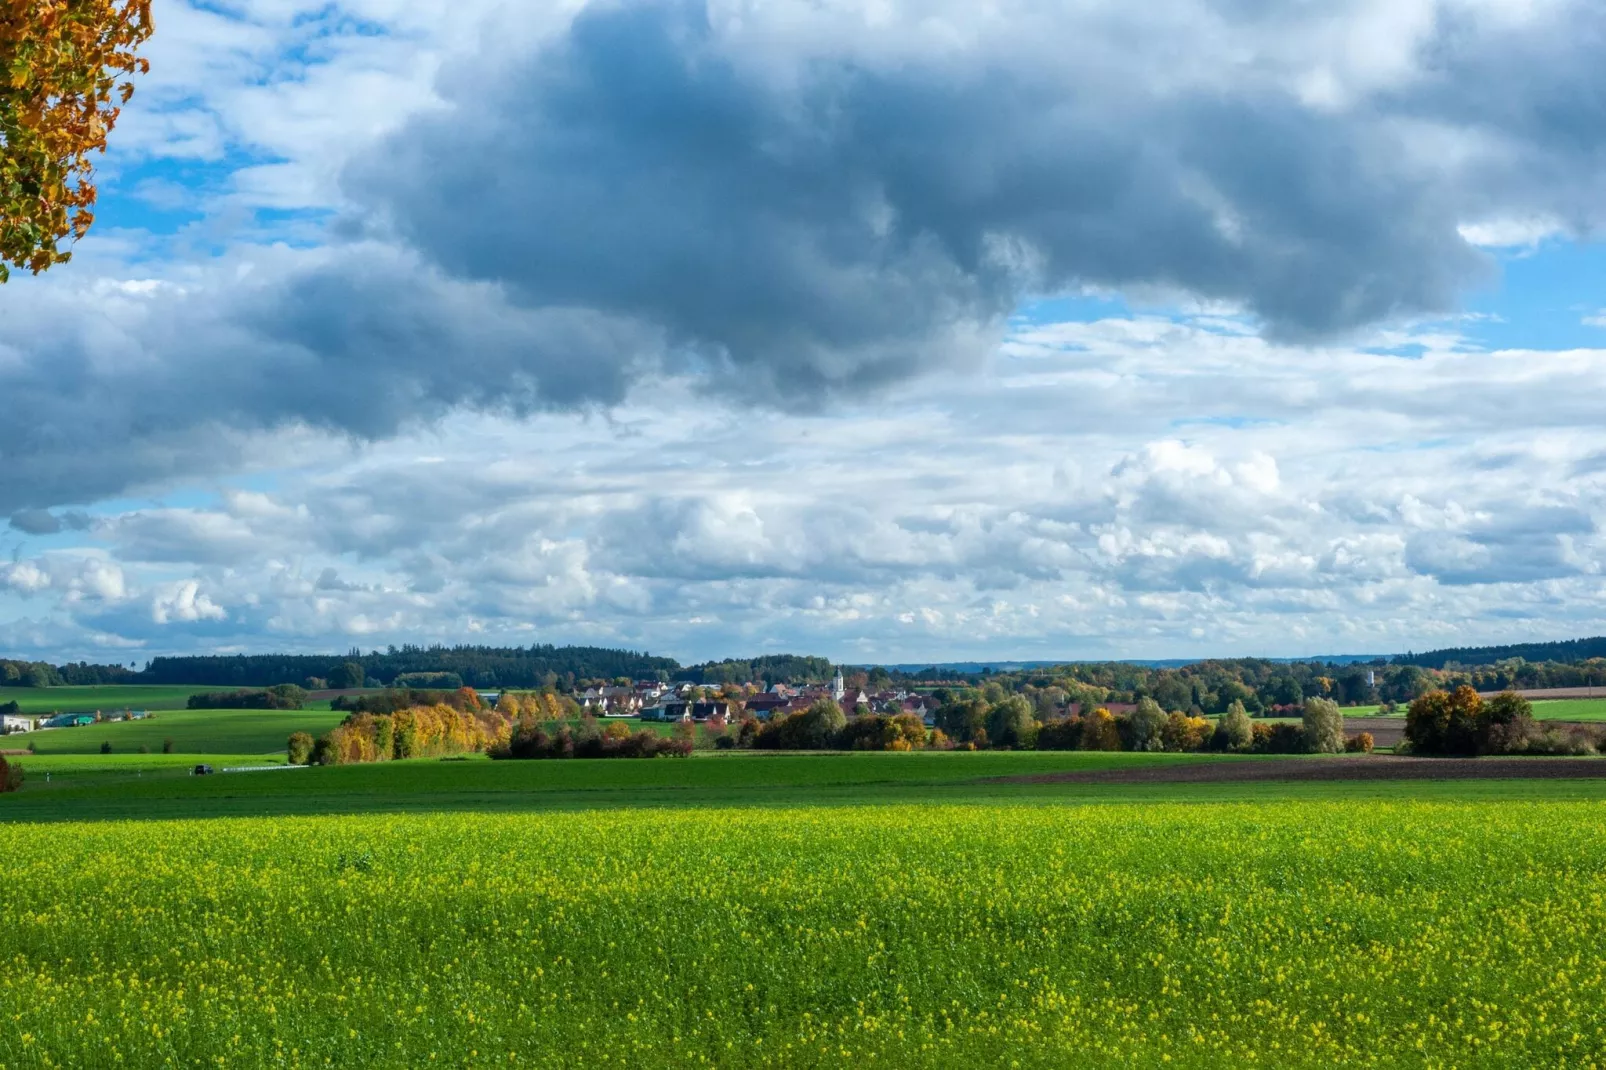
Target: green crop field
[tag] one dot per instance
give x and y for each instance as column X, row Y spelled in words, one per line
column 1571, row 709
column 1394, row 933
column 192, row 732
column 105, row 697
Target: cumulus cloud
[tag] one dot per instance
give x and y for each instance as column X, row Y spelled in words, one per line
column 1307, row 504
column 785, row 200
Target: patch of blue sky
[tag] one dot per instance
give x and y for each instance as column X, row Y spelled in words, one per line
column 1072, row 308
column 1408, row 446
column 1407, row 350
column 1236, row 423
column 1543, row 299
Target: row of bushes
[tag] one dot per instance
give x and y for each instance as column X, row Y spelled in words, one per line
column 1460, row 722
column 421, row 732
column 278, row 697
column 462, row 725
column 533, row 738
column 1009, row 724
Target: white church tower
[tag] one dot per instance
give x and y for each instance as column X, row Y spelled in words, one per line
column 838, row 688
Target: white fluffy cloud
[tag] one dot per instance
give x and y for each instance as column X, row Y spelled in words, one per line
column 688, row 326
column 1088, row 494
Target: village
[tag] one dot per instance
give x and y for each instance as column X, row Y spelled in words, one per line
column 652, row 701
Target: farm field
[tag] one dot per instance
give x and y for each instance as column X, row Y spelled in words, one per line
column 155, row 786
column 192, row 732
column 1571, row 709
column 100, row 697
column 1405, row 933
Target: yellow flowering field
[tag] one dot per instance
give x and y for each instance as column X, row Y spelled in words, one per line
column 1310, row 934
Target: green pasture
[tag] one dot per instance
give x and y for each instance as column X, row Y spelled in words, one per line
column 100, row 697
column 192, row 732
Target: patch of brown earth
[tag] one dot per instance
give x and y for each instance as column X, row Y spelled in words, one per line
column 1349, row 767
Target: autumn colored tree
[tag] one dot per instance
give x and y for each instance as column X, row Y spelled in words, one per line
column 1445, row 722
column 65, row 72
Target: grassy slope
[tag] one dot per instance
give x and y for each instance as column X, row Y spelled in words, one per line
column 109, row 697
column 192, row 732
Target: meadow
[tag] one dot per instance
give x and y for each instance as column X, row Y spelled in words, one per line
column 192, row 732
column 1409, row 933
column 99, row 697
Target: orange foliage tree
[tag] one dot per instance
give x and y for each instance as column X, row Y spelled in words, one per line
column 65, row 70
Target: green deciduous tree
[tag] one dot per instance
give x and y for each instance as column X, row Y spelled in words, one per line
column 1324, row 726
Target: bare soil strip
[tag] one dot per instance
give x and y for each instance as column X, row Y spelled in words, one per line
column 1355, row 767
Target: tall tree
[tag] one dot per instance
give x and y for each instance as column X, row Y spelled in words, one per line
column 65, row 72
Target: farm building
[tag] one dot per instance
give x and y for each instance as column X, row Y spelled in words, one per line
column 17, row 722
column 69, row 720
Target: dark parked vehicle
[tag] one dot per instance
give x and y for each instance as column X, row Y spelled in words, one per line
column 203, row 770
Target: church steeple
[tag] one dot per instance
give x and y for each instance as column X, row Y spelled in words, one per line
column 838, row 688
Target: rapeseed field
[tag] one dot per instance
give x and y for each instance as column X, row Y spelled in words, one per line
column 1316, row 934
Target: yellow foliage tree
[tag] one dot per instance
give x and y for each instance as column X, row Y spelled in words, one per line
column 65, row 70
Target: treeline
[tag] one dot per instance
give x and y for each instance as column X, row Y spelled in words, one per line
column 1562, row 652
column 43, row 674
column 973, row 722
column 770, row 669
column 416, row 724
column 543, row 666
column 278, row 697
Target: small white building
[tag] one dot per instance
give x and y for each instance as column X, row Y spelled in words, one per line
column 17, row 722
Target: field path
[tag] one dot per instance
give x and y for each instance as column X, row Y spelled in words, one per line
column 1356, row 767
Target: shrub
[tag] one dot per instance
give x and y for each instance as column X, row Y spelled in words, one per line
column 536, row 739
column 1575, row 740
column 300, row 748
column 10, row 775
column 106, row 747
column 1281, row 738
column 1506, row 724
column 278, row 697
column 144, row 748
column 1323, row 725
column 167, row 745
column 1360, row 743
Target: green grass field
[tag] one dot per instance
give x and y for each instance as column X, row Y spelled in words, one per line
column 192, row 732
column 1447, row 933
column 1571, row 709
column 108, row 697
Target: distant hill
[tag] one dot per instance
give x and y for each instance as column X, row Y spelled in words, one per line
column 1563, row 650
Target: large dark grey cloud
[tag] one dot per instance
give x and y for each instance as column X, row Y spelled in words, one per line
column 804, row 200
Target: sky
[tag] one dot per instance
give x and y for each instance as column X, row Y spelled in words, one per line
column 885, row 331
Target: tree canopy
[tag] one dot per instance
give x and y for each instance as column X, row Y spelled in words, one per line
column 65, row 72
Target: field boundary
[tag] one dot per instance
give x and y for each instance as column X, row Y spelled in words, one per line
column 1358, row 767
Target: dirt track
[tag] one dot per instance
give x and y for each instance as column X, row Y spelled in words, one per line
column 1356, row 767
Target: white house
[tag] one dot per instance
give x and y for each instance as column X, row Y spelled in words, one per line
column 17, row 722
